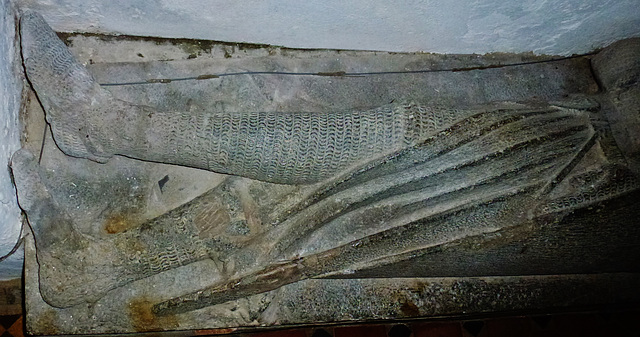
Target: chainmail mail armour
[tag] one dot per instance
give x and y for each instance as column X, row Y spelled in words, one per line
column 288, row 148
column 294, row 148
column 424, row 177
column 64, row 87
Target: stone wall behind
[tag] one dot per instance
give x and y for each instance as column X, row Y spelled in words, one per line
column 11, row 84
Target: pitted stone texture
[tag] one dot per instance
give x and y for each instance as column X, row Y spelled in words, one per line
column 560, row 148
column 617, row 68
column 11, row 96
column 280, row 147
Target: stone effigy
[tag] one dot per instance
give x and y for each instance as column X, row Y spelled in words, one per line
column 329, row 195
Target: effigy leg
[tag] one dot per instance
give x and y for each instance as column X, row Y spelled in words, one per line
column 288, row 148
column 442, row 173
column 393, row 175
column 59, row 246
column 75, row 268
column 478, row 174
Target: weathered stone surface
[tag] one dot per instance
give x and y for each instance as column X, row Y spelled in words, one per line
column 513, row 191
column 12, row 90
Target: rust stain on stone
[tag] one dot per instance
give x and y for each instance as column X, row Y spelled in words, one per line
column 421, row 288
column 143, row 319
column 409, row 309
column 117, row 223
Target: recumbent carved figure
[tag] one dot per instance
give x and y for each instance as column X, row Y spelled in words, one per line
column 383, row 186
